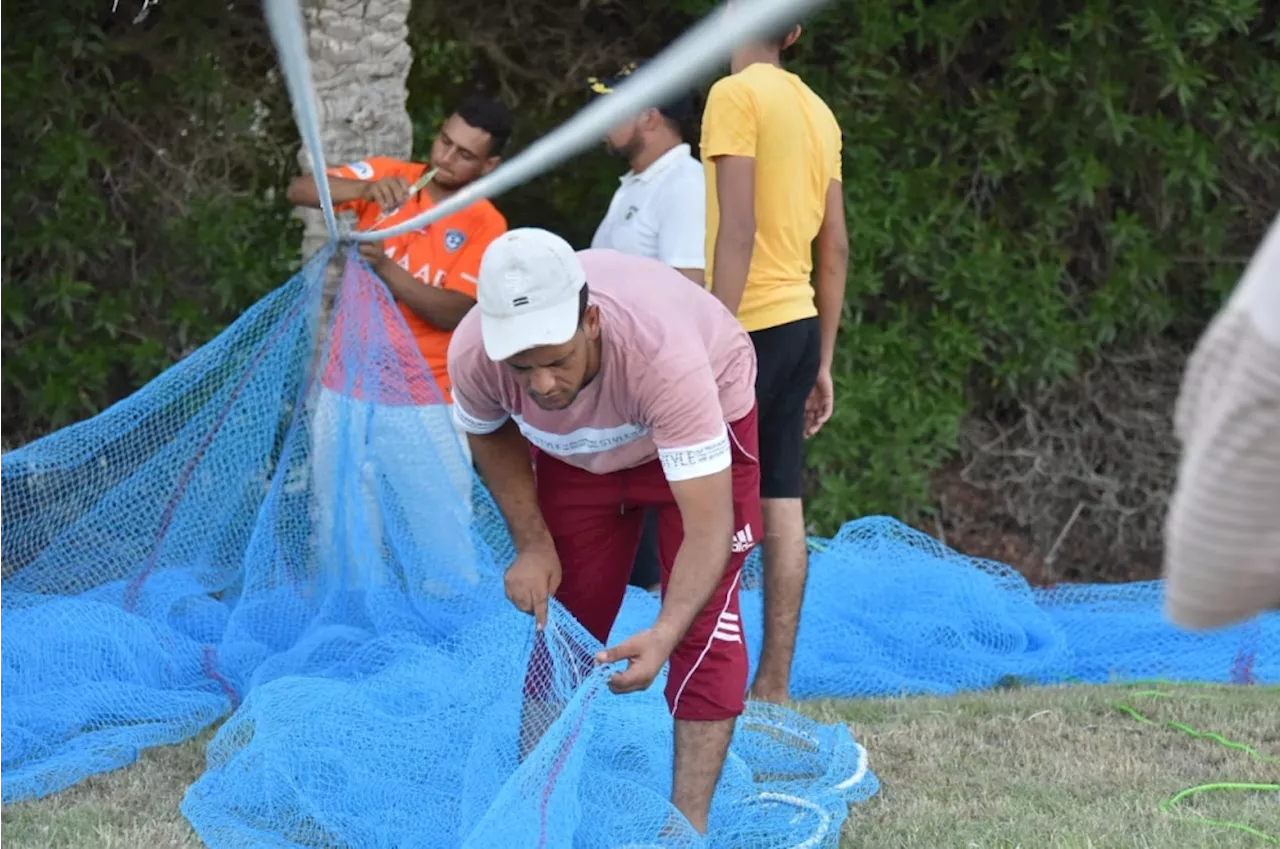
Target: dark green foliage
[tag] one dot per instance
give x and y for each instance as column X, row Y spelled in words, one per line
column 1027, row 184
column 141, row 168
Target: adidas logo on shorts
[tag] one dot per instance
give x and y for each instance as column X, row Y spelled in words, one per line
column 742, row 540
column 728, row 628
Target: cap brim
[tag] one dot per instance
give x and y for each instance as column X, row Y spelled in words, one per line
column 506, row 336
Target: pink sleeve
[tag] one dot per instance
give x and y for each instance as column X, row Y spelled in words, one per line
column 477, row 401
column 682, row 408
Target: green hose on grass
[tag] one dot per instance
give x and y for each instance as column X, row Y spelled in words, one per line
column 1167, row 805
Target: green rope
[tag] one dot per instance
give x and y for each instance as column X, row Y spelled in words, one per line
column 1166, row 806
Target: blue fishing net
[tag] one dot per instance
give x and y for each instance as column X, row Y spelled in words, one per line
column 281, row 532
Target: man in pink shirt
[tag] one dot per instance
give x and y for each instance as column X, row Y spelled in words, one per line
column 632, row 392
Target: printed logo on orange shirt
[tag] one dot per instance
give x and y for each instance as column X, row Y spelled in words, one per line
column 423, row 274
column 363, row 170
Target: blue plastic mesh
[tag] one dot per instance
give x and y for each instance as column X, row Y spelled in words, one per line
column 238, row 540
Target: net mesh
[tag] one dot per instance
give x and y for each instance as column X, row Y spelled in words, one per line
column 286, row 536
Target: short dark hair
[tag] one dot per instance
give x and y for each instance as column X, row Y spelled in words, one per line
column 674, row 125
column 582, row 304
column 488, row 115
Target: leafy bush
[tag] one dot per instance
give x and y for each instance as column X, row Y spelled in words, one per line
column 1027, row 185
column 142, row 163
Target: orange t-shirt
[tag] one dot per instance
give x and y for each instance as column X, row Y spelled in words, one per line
column 445, row 254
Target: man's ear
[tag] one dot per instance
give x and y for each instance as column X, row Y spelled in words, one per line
column 792, row 37
column 591, row 322
column 491, row 163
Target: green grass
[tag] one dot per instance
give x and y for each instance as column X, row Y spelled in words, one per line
column 1047, row 768
column 1062, row 767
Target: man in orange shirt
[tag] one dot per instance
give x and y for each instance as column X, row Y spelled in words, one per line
column 431, row 273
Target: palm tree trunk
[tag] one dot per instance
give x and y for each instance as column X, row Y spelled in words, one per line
column 360, row 61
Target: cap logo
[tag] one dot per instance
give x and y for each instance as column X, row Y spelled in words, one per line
column 521, row 301
column 600, row 86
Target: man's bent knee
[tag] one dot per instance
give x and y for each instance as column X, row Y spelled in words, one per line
column 708, row 674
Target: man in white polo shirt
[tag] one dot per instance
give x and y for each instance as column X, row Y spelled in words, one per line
column 658, row 211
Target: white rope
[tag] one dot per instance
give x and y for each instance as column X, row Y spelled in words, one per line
column 819, row 836
column 697, row 51
column 858, row 774
column 812, row 743
column 284, row 19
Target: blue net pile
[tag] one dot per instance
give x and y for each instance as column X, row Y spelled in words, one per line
column 280, row 533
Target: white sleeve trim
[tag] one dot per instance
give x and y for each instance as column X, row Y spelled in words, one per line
column 698, row 263
column 471, row 424
column 362, row 169
column 697, row 461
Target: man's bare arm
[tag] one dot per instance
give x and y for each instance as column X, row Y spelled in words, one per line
column 302, row 191
column 706, row 510
column 503, row 461
column 442, row 308
column 833, row 270
column 736, row 235
column 697, row 275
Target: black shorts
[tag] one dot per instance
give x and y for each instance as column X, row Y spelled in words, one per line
column 787, row 358
column 647, row 570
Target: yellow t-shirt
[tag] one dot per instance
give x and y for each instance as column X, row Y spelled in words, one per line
column 770, row 114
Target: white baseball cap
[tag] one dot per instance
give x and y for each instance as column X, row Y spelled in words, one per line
column 528, row 292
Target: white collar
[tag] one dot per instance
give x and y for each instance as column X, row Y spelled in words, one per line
column 658, row 165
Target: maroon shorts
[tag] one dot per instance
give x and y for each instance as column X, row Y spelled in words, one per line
column 596, row 522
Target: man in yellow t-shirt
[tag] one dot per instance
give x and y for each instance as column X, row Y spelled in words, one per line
column 771, row 155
